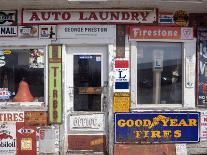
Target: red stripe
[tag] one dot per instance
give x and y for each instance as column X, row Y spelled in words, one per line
column 121, row 64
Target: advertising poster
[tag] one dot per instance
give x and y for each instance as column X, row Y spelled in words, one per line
column 157, row 127
column 202, row 68
column 7, row 138
column 26, row 139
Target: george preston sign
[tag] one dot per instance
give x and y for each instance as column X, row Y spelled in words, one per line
column 88, row 16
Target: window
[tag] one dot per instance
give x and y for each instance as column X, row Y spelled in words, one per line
column 22, row 75
column 159, row 73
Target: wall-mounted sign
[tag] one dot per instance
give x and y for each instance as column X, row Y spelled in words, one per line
column 181, row 18
column 166, row 18
column 7, row 138
column 157, row 127
column 26, row 139
column 86, row 122
column 47, row 32
column 8, row 31
column 120, row 41
column 189, row 72
column 202, row 67
column 121, row 102
column 95, row 143
column 203, row 126
column 122, row 75
column 8, row 17
column 28, row 31
column 159, row 32
column 55, row 83
column 86, row 31
column 35, row 118
column 11, row 116
column 4, row 93
column 88, row 16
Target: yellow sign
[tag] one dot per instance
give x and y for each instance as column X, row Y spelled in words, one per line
column 7, row 52
column 121, row 102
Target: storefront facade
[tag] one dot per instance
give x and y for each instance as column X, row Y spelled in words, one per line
column 97, row 81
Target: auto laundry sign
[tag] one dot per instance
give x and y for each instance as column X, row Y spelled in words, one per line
column 160, row 32
column 152, row 127
column 88, row 16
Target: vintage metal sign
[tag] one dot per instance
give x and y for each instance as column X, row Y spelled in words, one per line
column 28, row 31
column 157, row 127
column 181, row 18
column 8, row 31
column 26, row 139
column 55, row 83
column 120, row 41
column 86, row 31
column 202, row 67
column 166, row 18
column 47, row 32
column 88, row 16
column 8, row 17
column 35, row 118
column 203, row 125
column 95, row 143
column 7, row 138
column 86, row 122
column 121, row 102
column 11, row 116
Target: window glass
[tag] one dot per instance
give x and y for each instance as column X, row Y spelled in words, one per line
column 22, row 75
column 87, row 82
column 159, row 73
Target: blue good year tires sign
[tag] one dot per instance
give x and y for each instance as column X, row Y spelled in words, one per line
column 152, row 127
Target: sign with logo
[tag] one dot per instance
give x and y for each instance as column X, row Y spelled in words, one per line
column 86, row 122
column 35, row 118
column 11, row 117
column 28, row 31
column 8, row 31
column 95, row 143
column 7, row 138
column 203, row 126
column 86, row 31
column 202, row 68
column 4, row 93
column 157, row 127
column 47, row 32
column 165, row 18
column 55, row 83
column 160, row 32
column 88, row 16
column 121, row 102
column 181, row 18
column 122, row 74
column 26, row 139
column 8, row 17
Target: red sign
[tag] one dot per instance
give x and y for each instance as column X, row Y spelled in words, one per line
column 154, row 32
column 26, row 139
column 87, row 142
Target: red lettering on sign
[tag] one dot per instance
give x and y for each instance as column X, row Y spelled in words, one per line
column 34, row 16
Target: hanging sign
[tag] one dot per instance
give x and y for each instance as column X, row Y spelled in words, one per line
column 160, row 32
column 8, row 17
column 8, row 31
column 157, row 127
column 7, row 138
column 202, row 67
column 55, row 83
column 88, row 16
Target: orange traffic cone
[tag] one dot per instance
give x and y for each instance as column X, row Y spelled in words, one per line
column 23, row 94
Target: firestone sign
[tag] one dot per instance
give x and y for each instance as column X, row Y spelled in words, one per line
column 88, row 16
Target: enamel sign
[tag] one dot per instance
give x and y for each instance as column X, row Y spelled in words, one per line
column 8, row 17
column 8, row 31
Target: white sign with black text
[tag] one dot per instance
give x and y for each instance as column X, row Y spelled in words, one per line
column 8, row 31
column 203, row 125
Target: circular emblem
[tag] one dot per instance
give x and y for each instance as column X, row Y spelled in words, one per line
column 181, row 18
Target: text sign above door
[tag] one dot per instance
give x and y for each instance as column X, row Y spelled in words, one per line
column 88, row 16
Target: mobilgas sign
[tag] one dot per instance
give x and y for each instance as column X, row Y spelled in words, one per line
column 8, row 17
column 157, row 127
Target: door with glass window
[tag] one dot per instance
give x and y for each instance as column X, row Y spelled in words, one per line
column 86, row 78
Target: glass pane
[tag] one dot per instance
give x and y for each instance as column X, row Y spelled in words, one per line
column 22, row 75
column 87, row 82
column 159, row 73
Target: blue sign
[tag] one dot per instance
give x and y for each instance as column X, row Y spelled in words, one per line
column 153, row 127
